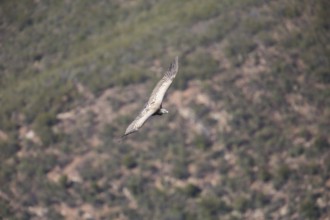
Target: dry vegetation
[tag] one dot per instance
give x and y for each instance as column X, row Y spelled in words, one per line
column 247, row 136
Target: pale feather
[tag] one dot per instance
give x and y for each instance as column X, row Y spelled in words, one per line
column 162, row 86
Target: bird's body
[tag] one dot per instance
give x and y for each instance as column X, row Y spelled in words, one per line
column 154, row 104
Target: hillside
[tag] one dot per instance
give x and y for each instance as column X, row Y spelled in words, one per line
column 246, row 137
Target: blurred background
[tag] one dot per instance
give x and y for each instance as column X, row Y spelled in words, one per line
column 247, row 136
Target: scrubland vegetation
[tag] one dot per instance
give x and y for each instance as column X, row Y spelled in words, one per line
column 247, row 136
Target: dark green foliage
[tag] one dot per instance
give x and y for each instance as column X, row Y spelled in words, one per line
column 180, row 170
column 191, row 190
column 88, row 172
column 266, row 39
column 43, row 126
column 241, row 204
column 5, row 209
column 199, row 65
column 132, row 75
column 8, row 149
column 7, row 172
column 239, row 47
column 130, row 161
column 36, row 166
column 137, row 185
column 322, row 144
column 291, row 10
column 264, row 175
column 296, row 151
column 259, row 200
column 281, row 176
column 309, row 209
column 64, row 181
column 213, row 206
column 202, row 142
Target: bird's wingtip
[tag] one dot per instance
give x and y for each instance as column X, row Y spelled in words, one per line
column 175, row 64
column 120, row 138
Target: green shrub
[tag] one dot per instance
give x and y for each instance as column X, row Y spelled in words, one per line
column 242, row 204
column 191, row 190
column 7, row 172
column 238, row 49
column 309, row 209
column 180, row 170
column 64, row 181
column 130, row 75
column 266, row 38
column 89, row 172
column 136, row 185
column 129, row 161
column 36, row 166
column 198, row 65
column 291, row 10
column 211, row 207
column 43, row 126
column 5, row 209
column 282, row 175
column 259, row 199
column 296, row 151
column 264, row 175
column 8, row 149
column 202, row 142
column 321, row 144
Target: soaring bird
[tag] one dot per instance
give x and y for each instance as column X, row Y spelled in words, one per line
column 154, row 104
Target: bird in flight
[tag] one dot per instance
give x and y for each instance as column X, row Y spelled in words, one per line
column 154, row 104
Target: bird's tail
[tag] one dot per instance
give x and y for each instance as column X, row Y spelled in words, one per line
column 120, row 139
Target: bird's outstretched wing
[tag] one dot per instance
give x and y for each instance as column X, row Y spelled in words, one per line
column 155, row 99
column 159, row 91
column 140, row 119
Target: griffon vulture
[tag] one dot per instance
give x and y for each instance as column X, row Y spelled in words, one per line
column 154, row 104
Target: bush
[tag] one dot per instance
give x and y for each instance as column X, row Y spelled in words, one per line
column 309, row 209
column 136, row 185
column 5, row 209
column 37, row 166
column 296, row 151
column 238, row 49
column 43, row 126
column 64, row 181
column 131, row 75
column 321, row 144
column 198, row 65
column 129, row 161
column 8, row 149
column 259, row 200
column 241, row 204
column 180, row 170
column 191, row 190
column 212, row 207
column 202, row 142
column 264, row 175
column 282, row 175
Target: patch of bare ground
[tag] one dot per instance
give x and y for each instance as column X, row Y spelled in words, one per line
column 183, row 101
column 301, row 106
column 87, row 211
column 97, row 112
column 3, row 136
column 72, row 169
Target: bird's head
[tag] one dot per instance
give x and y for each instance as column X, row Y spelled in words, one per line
column 163, row 111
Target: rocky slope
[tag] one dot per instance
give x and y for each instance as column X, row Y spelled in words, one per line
column 246, row 137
